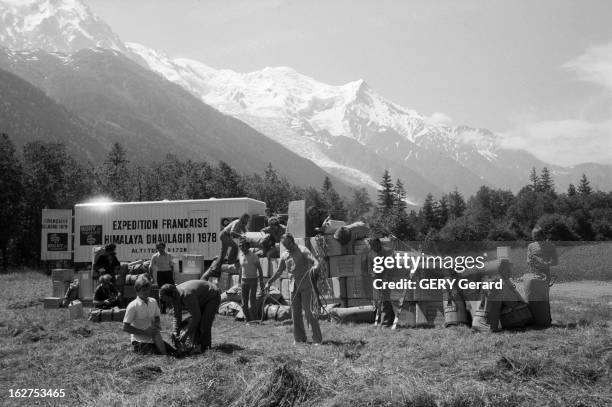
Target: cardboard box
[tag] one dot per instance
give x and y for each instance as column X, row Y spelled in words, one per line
column 75, row 309
column 62, row 275
column 347, row 266
column 341, row 266
column 86, row 284
column 52, row 302
column 357, row 287
column 335, row 288
column 60, row 288
column 129, row 292
column 269, row 267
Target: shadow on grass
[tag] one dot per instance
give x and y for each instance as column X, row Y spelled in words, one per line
column 353, row 342
column 227, row 348
column 24, row 304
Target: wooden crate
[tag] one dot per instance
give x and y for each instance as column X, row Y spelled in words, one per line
column 52, row 302
column 343, row 266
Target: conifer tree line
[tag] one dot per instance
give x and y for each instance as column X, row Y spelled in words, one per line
column 44, row 175
column 580, row 213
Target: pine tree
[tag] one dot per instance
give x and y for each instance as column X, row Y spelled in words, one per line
column 113, row 176
column 52, row 179
column 386, row 195
column 456, row 204
column 360, row 205
column 584, row 187
column 335, row 205
column 571, row 190
column 399, row 204
column 546, row 182
column 442, row 212
column 11, row 194
column 228, row 181
column 428, row 213
column 534, row 179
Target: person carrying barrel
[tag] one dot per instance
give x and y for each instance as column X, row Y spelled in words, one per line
column 275, row 230
column 382, row 298
column 301, row 264
column 234, row 230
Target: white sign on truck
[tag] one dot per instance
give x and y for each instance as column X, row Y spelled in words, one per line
column 188, row 226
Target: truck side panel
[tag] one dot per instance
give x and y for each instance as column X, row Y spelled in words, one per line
column 186, row 226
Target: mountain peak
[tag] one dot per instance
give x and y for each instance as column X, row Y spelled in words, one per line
column 54, row 26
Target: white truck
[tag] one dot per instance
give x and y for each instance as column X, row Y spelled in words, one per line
column 187, row 227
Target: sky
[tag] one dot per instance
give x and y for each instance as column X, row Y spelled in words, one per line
column 538, row 73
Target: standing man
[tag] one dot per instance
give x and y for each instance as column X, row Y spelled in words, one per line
column 161, row 269
column 201, row 299
column 142, row 321
column 300, row 263
column 382, row 298
column 541, row 256
column 107, row 263
column 234, row 230
column 250, row 274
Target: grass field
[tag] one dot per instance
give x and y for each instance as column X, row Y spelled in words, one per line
column 357, row 366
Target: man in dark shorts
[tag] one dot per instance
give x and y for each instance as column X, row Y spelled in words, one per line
column 201, row 299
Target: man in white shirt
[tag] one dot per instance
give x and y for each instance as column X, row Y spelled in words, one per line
column 161, row 269
column 142, row 321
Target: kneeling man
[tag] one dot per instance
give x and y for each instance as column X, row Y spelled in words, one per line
column 201, row 299
column 142, row 321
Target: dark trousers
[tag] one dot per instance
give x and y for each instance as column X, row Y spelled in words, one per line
column 227, row 243
column 384, row 307
column 301, row 300
column 164, row 277
column 249, row 298
column 208, row 311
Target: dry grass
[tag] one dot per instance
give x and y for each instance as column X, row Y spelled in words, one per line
column 258, row 365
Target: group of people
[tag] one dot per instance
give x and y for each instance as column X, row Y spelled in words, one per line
column 202, row 298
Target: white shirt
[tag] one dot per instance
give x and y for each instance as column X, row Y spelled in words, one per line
column 161, row 262
column 141, row 315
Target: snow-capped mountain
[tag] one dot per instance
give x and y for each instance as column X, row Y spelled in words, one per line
column 311, row 118
column 348, row 130
column 53, row 25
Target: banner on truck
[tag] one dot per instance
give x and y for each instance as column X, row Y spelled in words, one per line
column 56, row 242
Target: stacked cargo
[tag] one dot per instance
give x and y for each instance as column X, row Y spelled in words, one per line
column 344, row 252
column 60, row 282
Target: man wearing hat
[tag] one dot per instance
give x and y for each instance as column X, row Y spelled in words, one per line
column 161, row 269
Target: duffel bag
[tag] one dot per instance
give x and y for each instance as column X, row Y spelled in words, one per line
column 363, row 314
column 275, row 312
